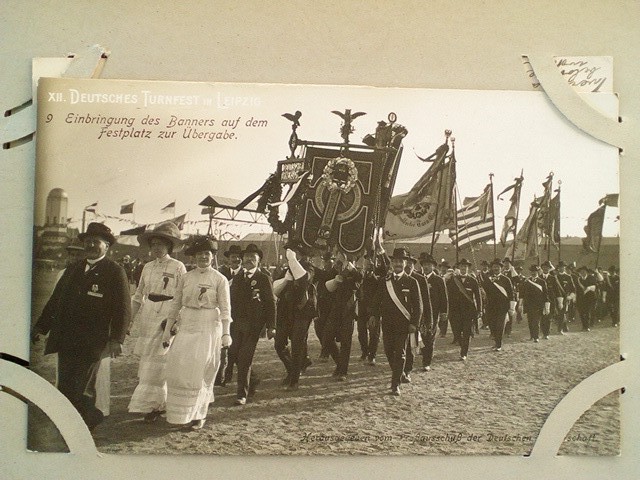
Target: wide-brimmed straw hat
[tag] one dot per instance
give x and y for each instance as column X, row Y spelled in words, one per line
column 166, row 231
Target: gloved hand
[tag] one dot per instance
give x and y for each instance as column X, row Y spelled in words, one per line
column 226, row 340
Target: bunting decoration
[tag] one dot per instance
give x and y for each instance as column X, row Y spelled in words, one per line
column 127, row 208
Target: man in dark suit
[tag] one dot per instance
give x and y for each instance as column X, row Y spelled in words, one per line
column 234, row 255
column 439, row 306
column 341, row 317
column 535, row 301
column 556, row 297
column 569, row 289
column 86, row 320
column 325, row 299
column 501, row 301
column 465, row 304
column 426, row 321
column 369, row 332
column 296, row 308
column 252, row 308
column 227, row 362
column 586, row 297
column 399, row 304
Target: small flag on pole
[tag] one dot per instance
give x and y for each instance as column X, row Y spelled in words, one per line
column 128, row 208
column 171, row 206
column 91, row 208
column 610, row 200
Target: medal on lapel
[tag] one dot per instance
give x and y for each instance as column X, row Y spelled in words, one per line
column 94, row 292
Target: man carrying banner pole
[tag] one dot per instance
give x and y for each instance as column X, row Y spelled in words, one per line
column 399, row 304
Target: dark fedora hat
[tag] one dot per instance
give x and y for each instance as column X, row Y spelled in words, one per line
column 202, row 244
column 237, row 249
column 401, row 254
column 166, row 231
column 100, row 230
column 547, row 264
column 561, row 264
column 253, row 248
column 533, row 268
column 427, row 258
column 464, row 261
column 497, row 261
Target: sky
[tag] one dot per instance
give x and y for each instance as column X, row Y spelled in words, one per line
column 499, row 132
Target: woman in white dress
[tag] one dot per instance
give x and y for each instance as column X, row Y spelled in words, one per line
column 150, row 306
column 203, row 305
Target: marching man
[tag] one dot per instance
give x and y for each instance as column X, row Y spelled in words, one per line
column 465, row 304
column 501, row 301
column 400, row 305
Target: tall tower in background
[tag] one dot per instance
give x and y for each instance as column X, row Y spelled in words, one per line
column 56, row 209
column 54, row 237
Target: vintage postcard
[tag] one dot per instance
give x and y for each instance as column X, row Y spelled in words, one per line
column 336, row 192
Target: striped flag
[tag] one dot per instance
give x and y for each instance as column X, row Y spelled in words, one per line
column 475, row 220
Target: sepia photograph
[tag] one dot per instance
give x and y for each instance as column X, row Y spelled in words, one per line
column 271, row 269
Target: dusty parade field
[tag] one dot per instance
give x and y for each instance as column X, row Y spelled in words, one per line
column 495, row 403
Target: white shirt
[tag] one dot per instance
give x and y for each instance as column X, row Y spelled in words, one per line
column 90, row 263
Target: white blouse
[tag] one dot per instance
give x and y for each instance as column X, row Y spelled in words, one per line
column 161, row 277
column 202, row 288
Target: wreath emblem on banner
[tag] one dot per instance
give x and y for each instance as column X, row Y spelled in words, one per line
column 339, row 174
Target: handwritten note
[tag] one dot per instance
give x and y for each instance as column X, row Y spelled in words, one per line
column 585, row 74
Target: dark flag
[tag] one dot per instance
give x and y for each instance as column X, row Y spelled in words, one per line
column 171, row 206
column 511, row 216
column 610, row 200
column 593, row 229
column 544, row 212
column 179, row 221
column 554, row 219
column 528, row 237
column 91, row 208
column 128, row 208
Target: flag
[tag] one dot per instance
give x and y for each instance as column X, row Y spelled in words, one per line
column 475, row 220
column 593, row 229
column 528, row 238
column 91, row 208
column 128, row 208
column 610, row 200
column 554, row 219
column 511, row 216
column 428, row 207
column 544, row 214
column 179, row 221
column 171, row 206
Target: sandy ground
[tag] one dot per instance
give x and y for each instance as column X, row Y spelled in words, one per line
column 495, row 403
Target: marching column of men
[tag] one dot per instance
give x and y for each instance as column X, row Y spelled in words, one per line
column 404, row 298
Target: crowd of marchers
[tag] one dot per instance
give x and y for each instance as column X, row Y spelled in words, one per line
column 196, row 328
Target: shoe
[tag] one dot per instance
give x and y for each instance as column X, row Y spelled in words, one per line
column 535, row 340
column 292, row 387
column 241, row 401
column 342, row 378
column 498, row 349
column 615, row 324
column 395, row 391
column 252, row 386
column 426, row 368
column 560, row 332
column 335, row 373
column 406, row 378
column 463, row 358
column 286, row 380
column 153, row 416
column 197, row 424
column 454, row 341
column 363, row 357
column 546, row 337
column 307, row 363
column 372, row 362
